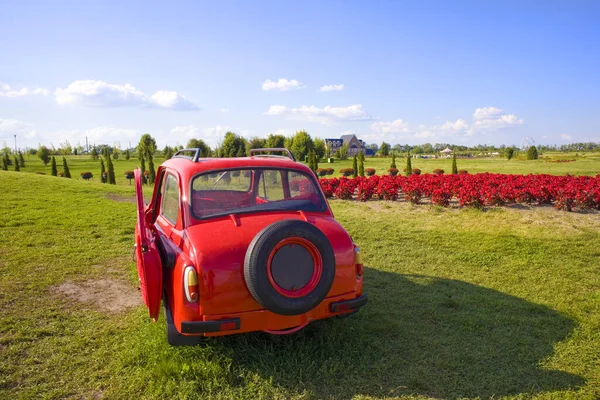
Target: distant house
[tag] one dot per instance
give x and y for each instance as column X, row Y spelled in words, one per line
column 353, row 144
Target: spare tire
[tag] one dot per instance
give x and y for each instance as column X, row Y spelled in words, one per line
column 289, row 267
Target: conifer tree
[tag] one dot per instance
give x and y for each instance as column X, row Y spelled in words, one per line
column 361, row 164
column 393, row 164
column 354, row 166
column 66, row 172
column 17, row 166
column 408, row 165
column 454, row 168
column 111, row 171
column 21, row 159
column 102, row 171
column 54, row 171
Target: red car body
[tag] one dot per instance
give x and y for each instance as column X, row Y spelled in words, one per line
column 233, row 245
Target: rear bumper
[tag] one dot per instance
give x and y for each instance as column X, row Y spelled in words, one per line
column 264, row 320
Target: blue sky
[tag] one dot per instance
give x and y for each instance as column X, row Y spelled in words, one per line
column 465, row 72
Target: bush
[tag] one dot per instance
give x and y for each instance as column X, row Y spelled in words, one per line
column 416, row 171
column 235, row 173
column 40, row 173
column 393, row 171
column 61, row 174
column 321, row 171
column 370, row 171
column 87, row 175
column 330, row 171
column 438, row 171
column 463, row 171
column 532, row 153
column 347, row 171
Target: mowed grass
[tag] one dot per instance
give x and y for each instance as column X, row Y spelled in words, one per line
column 584, row 164
column 463, row 304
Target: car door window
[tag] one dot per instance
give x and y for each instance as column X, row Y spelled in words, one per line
column 170, row 199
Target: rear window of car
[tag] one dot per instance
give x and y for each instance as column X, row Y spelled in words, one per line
column 247, row 190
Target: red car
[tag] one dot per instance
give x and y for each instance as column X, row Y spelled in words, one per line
column 236, row 245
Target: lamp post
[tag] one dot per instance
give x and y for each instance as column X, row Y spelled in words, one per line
column 15, row 143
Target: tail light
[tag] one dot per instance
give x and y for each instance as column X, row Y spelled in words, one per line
column 190, row 284
column 358, row 262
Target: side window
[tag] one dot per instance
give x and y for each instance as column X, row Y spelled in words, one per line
column 170, row 199
column 270, row 185
column 300, row 185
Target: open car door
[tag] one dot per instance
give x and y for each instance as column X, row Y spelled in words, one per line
column 149, row 265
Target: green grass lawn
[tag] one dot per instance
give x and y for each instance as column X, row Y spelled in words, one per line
column 464, row 303
column 584, row 164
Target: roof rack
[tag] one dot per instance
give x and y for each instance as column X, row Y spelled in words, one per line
column 288, row 154
column 193, row 158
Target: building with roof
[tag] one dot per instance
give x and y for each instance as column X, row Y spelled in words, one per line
column 353, row 144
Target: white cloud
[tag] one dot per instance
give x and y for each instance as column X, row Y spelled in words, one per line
column 384, row 128
column 224, row 110
column 8, row 91
column 282, row 85
column 101, row 94
column 564, row 136
column 327, row 115
column 172, row 100
column 485, row 120
column 12, row 125
column 331, row 88
column 488, row 119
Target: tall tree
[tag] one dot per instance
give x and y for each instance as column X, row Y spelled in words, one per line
column 255, row 143
column 233, row 146
column 44, row 154
column 301, row 144
column 53, row 169
column 454, row 167
column 205, row 150
column 384, row 149
column 66, row 172
column 147, row 148
column 320, row 150
column 510, row 153
column 361, row 164
column 532, row 153
column 111, row 171
column 143, row 168
column 102, row 172
column 275, row 141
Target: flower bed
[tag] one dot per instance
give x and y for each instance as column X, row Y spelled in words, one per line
column 475, row 190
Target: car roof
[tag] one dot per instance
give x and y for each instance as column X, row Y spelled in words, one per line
column 188, row 168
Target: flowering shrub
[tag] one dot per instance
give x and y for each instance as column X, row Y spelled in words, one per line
column 475, row 190
column 347, row 171
column 345, row 189
column 86, row 175
column 370, row 171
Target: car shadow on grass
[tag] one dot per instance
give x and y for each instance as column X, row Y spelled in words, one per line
column 417, row 336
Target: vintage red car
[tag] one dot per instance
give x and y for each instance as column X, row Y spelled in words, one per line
column 236, row 245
